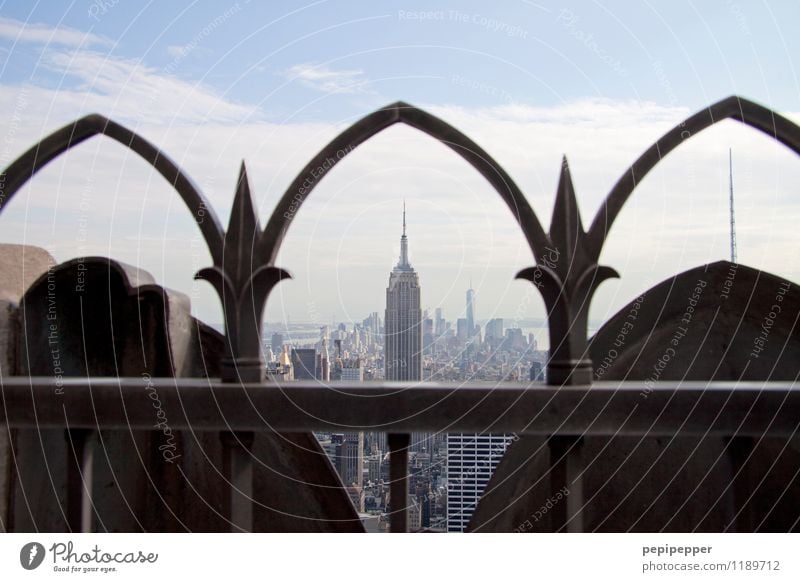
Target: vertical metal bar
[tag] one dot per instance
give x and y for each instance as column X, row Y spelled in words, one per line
column 398, row 477
column 740, row 450
column 238, row 463
column 566, row 483
column 80, row 478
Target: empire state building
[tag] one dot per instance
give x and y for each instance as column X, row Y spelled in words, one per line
column 403, row 322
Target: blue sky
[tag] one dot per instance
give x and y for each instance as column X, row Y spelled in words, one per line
column 270, row 82
column 686, row 53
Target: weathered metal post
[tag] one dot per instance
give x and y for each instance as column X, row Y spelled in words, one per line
column 80, row 480
column 398, row 477
column 238, row 465
column 567, row 275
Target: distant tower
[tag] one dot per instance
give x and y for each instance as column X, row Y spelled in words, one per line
column 403, row 322
column 470, row 311
column 439, row 323
column 324, row 369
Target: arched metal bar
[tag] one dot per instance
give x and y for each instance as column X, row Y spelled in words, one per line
column 742, row 110
column 58, row 142
column 374, row 123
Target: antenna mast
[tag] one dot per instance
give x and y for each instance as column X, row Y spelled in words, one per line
column 733, row 217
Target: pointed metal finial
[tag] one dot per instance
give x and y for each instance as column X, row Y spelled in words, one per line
column 567, row 276
column 404, row 217
column 243, row 285
column 243, row 231
column 566, row 227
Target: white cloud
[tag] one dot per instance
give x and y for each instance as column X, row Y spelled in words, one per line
column 177, row 51
column 128, row 90
column 321, row 78
column 28, row 32
column 595, row 112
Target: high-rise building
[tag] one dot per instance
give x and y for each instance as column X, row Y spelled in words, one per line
column 439, row 323
column 277, row 343
column 536, row 373
column 352, row 371
column 461, row 329
column 281, row 368
column 420, row 441
column 323, row 362
column 304, row 363
column 470, row 311
column 414, row 515
column 403, row 322
column 375, row 442
column 494, row 329
column 471, row 460
column 515, row 339
column 329, row 443
column 372, row 325
column 427, row 334
column 350, row 458
column 374, row 467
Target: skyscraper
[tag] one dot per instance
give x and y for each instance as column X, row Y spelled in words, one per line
column 439, row 323
column 277, row 343
column 323, row 365
column 471, row 460
column 304, row 362
column 403, row 321
column 352, row 371
column 494, row 329
column 461, row 330
column 350, row 458
column 427, row 335
column 470, row 311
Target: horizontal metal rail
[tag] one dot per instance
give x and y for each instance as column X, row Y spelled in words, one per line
column 605, row 408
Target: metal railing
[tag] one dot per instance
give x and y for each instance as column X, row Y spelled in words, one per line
column 565, row 415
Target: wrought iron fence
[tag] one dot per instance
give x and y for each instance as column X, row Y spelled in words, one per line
column 244, row 273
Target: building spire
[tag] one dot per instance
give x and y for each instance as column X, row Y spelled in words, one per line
column 403, row 264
